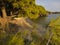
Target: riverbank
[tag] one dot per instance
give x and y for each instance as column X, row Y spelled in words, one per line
column 21, row 27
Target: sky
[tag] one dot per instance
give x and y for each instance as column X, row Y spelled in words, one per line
column 50, row 5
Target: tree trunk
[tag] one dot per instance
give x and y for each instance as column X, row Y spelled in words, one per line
column 4, row 12
column 5, row 20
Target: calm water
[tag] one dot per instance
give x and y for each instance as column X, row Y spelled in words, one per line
column 44, row 21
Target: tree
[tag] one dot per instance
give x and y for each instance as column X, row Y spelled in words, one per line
column 24, row 7
column 29, row 8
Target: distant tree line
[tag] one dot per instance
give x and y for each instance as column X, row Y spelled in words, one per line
column 53, row 12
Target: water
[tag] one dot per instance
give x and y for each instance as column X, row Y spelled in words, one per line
column 44, row 21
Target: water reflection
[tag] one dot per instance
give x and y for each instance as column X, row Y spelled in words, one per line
column 44, row 21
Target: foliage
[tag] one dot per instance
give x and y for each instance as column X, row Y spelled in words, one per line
column 30, row 9
column 5, row 38
column 24, row 37
column 24, row 7
column 55, row 27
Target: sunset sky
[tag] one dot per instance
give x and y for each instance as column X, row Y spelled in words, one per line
column 50, row 5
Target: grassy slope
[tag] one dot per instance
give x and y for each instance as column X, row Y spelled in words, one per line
column 55, row 28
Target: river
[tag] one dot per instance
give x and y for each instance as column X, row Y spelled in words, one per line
column 44, row 21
